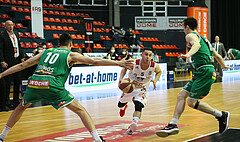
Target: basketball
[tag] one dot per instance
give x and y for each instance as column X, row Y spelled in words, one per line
column 127, row 85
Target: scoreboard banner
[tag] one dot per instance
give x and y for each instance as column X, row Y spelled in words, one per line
column 159, row 23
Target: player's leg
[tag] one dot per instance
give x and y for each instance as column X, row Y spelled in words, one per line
column 122, row 107
column 201, row 89
column 136, row 116
column 15, row 116
column 85, row 117
column 172, row 128
column 122, row 103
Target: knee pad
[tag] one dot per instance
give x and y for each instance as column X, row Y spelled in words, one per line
column 196, row 105
column 121, row 104
column 138, row 106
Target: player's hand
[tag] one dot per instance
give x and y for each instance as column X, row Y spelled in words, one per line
column 154, row 85
column 184, row 56
column 119, row 82
column 0, row 75
column 4, row 65
column 128, row 64
column 226, row 67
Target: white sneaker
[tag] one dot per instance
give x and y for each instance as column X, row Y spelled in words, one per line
column 132, row 128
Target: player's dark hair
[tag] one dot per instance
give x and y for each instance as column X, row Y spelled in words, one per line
column 65, row 39
column 147, row 48
column 191, row 22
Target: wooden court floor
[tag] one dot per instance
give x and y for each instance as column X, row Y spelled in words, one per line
column 41, row 121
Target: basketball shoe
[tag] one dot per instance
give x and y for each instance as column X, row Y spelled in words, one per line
column 1, row 138
column 170, row 129
column 122, row 111
column 132, row 128
column 223, row 121
column 102, row 138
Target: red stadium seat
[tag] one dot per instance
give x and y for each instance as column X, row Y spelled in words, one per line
column 56, row 13
column 26, row 3
column 79, row 36
column 13, row 1
column 20, row 9
column 68, row 14
column 53, row 27
column 22, row 44
column 65, row 28
column 49, row 45
column 35, row 35
column 62, row 13
column 51, row 12
column 19, row 2
column 28, row 34
column 75, row 21
column 69, row 21
column 26, row 10
column 45, row 19
column 56, row 36
column 73, row 14
column 51, row 19
column 76, row 45
column 59, row 28
column 73, row 36
column 13, row 8
column 47, row 27
column 28, row 45
column 27, row 17
column 35, row 45
column 19, row 25
column 82, row 45
column 22, row 35
column 50, row 6
column 57, row 20
column 45, row 12
column 71, row 28
column 64, row 20
column 44, row 5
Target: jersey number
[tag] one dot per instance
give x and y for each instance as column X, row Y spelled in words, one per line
column 51, row 58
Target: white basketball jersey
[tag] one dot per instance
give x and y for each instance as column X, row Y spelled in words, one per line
column 140, row 77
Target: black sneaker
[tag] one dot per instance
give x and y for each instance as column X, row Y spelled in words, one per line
column 223, row 121
column 102, row 139
column 170, row 129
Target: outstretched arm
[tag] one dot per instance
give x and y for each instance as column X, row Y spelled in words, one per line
column 75, row 57
column 21, row 66
column 193, row 41
column 122, row 74
column 219, row 58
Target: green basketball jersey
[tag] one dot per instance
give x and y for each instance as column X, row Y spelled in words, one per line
column 54, row 62
column 204, row 56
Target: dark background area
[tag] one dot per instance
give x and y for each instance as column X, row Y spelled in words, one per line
column 225, row 22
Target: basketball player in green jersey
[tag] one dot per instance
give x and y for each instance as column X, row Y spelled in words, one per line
column 234, row 54
column 47, row 82
column 202, row 55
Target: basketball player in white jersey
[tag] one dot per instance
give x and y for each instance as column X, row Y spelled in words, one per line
column 141, row 74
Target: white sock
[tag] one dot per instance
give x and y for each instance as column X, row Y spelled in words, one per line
column 5, row 132
column 95, row 136
column 174, row 121
column 135, row 120
column 217, row 113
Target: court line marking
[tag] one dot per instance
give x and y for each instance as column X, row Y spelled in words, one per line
column 200, row 136
column 205, row 135
column 65, row 119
